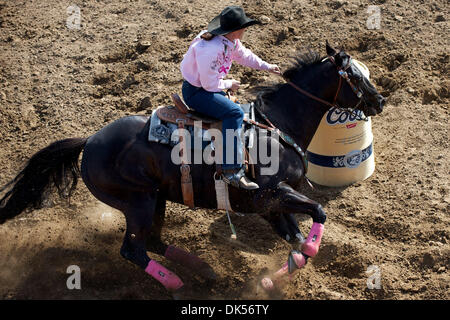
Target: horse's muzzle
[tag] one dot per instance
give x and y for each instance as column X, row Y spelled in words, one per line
column 375, row 107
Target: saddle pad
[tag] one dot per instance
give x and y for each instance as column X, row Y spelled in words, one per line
column 159, row 132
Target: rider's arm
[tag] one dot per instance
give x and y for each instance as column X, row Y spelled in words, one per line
column 247, row 58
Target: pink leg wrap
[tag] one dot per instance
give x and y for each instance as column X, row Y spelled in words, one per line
column 281, row 272
column 167, row 278
column 279, row 277
column 312, row 243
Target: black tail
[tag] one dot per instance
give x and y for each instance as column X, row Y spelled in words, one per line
column 55, row 166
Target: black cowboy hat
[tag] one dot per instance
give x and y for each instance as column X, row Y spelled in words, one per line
column 232, row 18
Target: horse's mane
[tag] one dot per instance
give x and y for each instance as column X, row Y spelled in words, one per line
column 305, row 57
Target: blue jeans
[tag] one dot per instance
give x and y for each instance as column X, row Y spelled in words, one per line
column 217, row 105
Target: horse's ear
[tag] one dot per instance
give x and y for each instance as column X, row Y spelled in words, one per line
column 330, row 50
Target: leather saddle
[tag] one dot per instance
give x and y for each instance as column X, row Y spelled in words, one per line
column 180, row 111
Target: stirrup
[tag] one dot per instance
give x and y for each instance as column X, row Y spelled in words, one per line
column 238, row 179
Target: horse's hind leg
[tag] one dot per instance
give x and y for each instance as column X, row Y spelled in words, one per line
column 139, row 220
column 177, row 255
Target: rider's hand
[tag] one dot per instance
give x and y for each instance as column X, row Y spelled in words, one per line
column 275, row 69
column 235, row 85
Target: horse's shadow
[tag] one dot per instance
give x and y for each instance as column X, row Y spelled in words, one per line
column 104, row 274
column 43, row 274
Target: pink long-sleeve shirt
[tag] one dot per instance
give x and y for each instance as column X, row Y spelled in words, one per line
column 207, row 62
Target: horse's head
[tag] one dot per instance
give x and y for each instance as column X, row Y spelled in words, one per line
column 355, row 90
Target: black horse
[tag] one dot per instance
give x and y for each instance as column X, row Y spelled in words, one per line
column 124, row 170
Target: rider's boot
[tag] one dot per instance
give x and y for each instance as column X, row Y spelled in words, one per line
column 236, row 177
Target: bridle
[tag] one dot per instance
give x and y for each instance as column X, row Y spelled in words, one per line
column 342, row 71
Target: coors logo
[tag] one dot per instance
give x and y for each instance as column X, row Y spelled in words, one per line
column 338, row 116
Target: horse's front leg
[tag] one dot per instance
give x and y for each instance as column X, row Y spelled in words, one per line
column 293, row 201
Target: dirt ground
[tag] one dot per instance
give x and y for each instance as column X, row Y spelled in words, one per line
column 58, row 82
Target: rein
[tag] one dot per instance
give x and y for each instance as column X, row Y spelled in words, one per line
column 342, row 75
